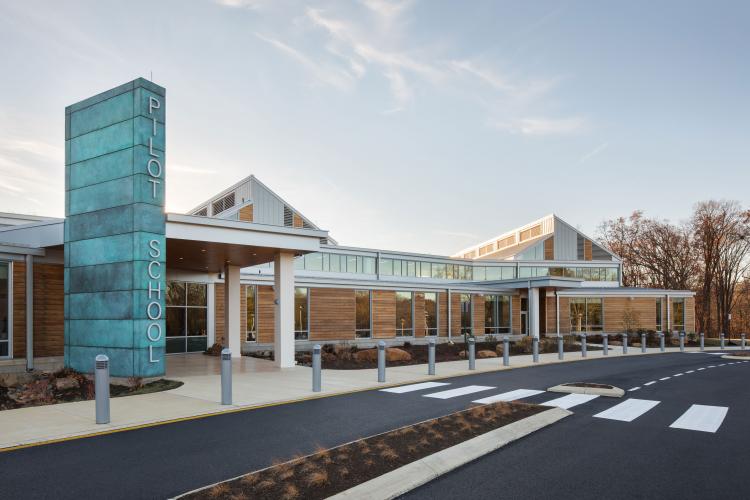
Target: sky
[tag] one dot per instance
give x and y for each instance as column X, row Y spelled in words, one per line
column 420, row 125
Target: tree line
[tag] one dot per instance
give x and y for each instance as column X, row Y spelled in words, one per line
column 708, row 253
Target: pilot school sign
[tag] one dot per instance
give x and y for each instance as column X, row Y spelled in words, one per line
column 115, row 251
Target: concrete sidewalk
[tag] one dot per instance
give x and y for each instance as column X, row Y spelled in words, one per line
column 256, row 383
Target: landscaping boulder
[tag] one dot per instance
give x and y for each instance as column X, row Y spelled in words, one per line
column 66, row 384
column 486, row 353
column 396, row 354
column 366, row 355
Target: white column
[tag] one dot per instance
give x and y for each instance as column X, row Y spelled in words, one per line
column 283, row 339
column 210, row 313
column 29, row 312
column 232, row 334
column 533, row 312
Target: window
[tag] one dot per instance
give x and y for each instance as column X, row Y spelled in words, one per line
column 362, row 307
column 404, row 308
column 301, row 317
column 496, row 314
column 465, row 306
column 386, row 267
column 678, row 314
column 425, row 270
column 480, row 273
column 187, row 317
column 251, row 323
column 438, row 271
column 586, row 315
column 658, row 315
column 431, row 313
column 222, row 204
column 5, row 310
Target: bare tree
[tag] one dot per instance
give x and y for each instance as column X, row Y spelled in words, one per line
column 733, row 262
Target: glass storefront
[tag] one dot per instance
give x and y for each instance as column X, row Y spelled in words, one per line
column 251, row 301
column 187, row 317
column 586, row 315
column 404, row 308
column 362, row 314
column 431, row 313
column 301, row 314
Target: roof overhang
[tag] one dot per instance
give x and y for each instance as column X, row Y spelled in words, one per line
column 207, row 244
column 539, row 282
column 47, row 233
column 625, row 292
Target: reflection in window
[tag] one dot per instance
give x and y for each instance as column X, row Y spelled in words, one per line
column 362, row 308
column 301, row 318
column 465, row 306
column 678, row 315
column 658, row 315
column 431, row 313
column 251, row 324
column 186, row 316
column 496, row 314
column 404, row 308
column 4, row 310
column 586, row 315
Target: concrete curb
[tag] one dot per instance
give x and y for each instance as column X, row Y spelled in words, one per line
column 730, row 356
column 614, row 392
column 415, row 474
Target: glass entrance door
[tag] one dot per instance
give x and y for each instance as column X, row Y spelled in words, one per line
column 187, row 317
column 4, row 310
column 524, row 316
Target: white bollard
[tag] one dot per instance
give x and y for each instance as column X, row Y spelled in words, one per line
column 101, row 388
column 226, row 377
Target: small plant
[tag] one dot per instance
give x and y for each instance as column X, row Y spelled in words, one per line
column 317, row 479
column 389, row 453
column 218, row 491
column 290, row 492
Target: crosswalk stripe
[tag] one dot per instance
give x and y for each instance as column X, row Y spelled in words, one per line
column 701, row 418
column 414, row 387
column 460, row 391
column 570, row 400
column 629, row 410
column 508, row 396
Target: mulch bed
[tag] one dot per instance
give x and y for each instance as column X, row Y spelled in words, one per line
column 589, row 384
column 66, row 386
column 330, row 471
column 740, row 354
column 342, row 357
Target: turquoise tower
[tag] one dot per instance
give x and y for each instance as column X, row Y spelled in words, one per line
column 115, row 248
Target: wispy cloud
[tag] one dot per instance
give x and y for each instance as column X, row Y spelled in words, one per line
column 388, row 9
column 543, row 126
column 601, row 147
column 245, row 4
column 178, row 167
column 330, row 76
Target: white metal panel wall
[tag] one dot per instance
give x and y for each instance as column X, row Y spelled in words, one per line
column 242, row 194
column 566, row 242
column 267, row 208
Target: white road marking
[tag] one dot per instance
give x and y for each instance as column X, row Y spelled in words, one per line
column 678, row 374
column 703, row 368
column 414, row 387
column 629, row 410
column 650, row 383
column 570, row 400
column 460, row 391
column 701, row 418
column 711, row 366
column 633, row 389
column 723, row 364
column 690, row 371
column 665, row 378
column 508, row 396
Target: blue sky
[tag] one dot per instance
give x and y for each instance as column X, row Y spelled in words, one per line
column 418, row 125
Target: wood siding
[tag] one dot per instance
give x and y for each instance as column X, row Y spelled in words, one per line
column 443, row 314
column 456, row 313
column 549, row 248
column 383, row 313
column 565, row 315
column 266, row 314
column 690, row 315
column 641, row 309
column 551, row 316
column 332, row 314
column 420, row 323
column 246, row 213
column 587, row 250
column 297, row 221
column 219, row 313
column 49, row 310
column 516, row 312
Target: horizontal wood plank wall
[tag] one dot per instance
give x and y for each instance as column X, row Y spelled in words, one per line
column 477, row 304
column 690, row 315
column 383, row 313
column 565, row 315
column 549, row 248
column 456, row 314
column 443, row 314
column 19, row 310
column 643, row 310
column 49, row 313
column 243, row 313
column 297, row 221
column 219, row 313
column 551, row 314
column 420, row 323
column 266, row 314
column 587, row 250
column 515, row 303
column 49, row 310
column 246, row 213
column 332, row 314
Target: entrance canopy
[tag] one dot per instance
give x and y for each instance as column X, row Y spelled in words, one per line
column 207, row 244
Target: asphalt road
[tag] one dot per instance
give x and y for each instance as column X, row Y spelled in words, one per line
column 581, row 456
column 586, row 457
